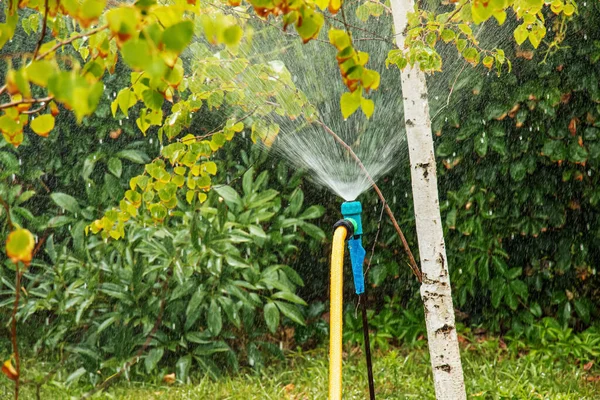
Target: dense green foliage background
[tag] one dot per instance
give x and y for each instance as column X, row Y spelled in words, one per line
column 519, row 186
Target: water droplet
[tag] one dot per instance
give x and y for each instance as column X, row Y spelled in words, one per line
column 460, row 270
column 89, row 185
column 120, row 122
column 13, row 177
column 581, row 247
column 585, row 36
column 281, row 231
column 151, row 140
column 454, row 154
column 520, row 137
column 20, row 162
column 114, row 94
column 295, row 227
column 589, row 172
column 394, row 200
column 100, row 141
column 490, row 212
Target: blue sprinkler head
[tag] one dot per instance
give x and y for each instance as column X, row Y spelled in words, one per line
column 352, row 210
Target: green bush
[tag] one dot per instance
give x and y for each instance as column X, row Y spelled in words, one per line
column 210, row 290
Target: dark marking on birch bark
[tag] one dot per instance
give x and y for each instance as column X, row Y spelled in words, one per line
column 444, row 367
column 423, row 96
column 446, row 329
column 409, row 122
column 425, row 167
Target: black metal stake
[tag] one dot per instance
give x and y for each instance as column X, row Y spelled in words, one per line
column 362, row 298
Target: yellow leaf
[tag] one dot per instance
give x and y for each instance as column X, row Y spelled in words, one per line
column 19, row 246
column 569, row 10
column 43, row 124
column 9, row 370
column 367, row 106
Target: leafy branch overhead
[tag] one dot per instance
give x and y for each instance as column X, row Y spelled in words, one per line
column 80, row 43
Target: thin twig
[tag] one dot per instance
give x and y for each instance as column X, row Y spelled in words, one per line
column 375, row 241
column 7, row 209
column 43, row 33
column 413, row 263
column 71, row 39
column 26, row 101
column 109, row 381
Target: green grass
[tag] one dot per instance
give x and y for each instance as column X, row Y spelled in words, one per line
column 490, row 373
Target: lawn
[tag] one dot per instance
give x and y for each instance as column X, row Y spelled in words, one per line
column 490, row 373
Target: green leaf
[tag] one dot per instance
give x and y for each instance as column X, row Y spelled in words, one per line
column 313, row 212
column 289, row 296
column 66, row 202
column 514, row 273
column 480, row 144
column 583, row 310
column 518, row 171
column 152, row 99
column 193, row 306
column 536, row 310
column 271, row 313
column 520, row 288
column 214, row 319
column 182, row 368
column 511, row 299
column 178, row 36
column 291, row 311
column 115, row 166
column 349, row 103
column 152, row 358
column 448, row 35
column 498, row 291
column 135, row 156
column 228, row 194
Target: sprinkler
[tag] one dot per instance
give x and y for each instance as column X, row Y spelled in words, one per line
column 349, row 229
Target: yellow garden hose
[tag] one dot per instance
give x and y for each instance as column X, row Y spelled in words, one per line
column 335, row 313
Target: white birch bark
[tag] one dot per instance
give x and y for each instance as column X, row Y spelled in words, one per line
column 435, row 289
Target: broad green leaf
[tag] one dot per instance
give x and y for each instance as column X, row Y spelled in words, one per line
column 66, row 202
column 152, row 358
column 182, row 368
column 115, row 166
column 271, row 313
column 214, row 318
column 228, row 194
column 177, row 37
column 291, row 311
column 313, row 212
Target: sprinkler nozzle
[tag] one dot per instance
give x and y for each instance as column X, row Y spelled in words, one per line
column 352, row 210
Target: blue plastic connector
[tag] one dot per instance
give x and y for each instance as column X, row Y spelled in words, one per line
column 352, row 211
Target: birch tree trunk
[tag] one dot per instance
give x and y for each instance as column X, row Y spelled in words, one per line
column 435, row 289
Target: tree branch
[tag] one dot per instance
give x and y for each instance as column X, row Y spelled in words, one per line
column 43, row 33
column 413, row 264
column 70, row 40
column 26, row 101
